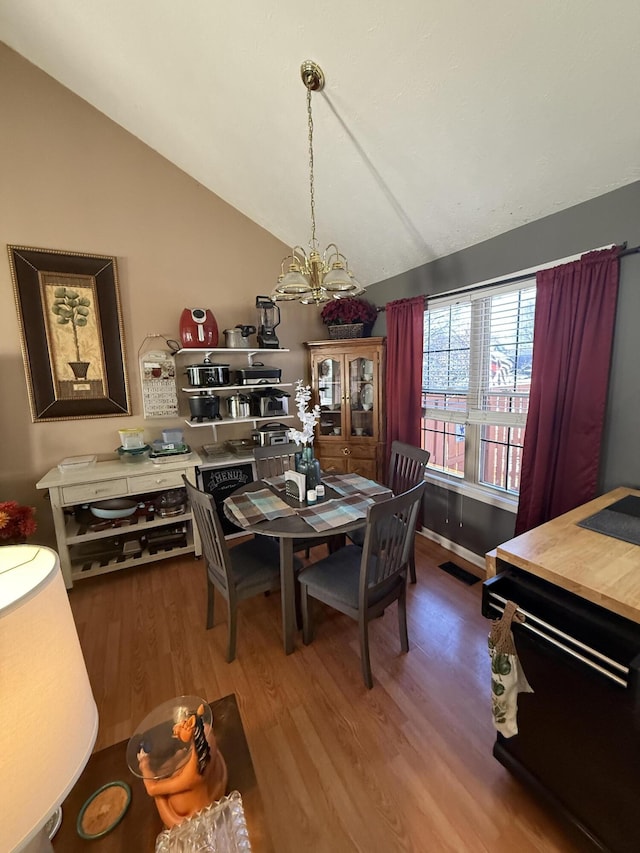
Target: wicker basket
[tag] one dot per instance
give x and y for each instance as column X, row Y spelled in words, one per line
column 346, row 330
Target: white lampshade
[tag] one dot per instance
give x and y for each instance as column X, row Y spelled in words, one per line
column 48, row 716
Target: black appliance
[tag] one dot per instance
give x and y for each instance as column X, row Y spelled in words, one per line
column 578, row 741
column 269, row 402
column 207, row 374
column 205, row 406
column 258, row 374
column 270, row 434
column 268, row 320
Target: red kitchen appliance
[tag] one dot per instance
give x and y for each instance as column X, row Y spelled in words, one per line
column 198, row 328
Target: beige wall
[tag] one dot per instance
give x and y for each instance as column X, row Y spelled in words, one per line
column 71, row 179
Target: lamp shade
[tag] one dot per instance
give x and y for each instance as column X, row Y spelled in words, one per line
column 48, row 716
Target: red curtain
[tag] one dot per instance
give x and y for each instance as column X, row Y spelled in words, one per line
column 572, row 341
column 405, row 323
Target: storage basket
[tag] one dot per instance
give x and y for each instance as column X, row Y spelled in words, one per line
column 346, row 330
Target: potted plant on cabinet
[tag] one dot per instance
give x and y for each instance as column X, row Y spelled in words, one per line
column 349, row 317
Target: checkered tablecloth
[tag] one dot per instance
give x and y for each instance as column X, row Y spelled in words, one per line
column 335, row 513
column 253, row 507
column 354, row 484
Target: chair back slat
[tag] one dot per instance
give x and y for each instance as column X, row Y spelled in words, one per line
column 388, row 539
column 274, row 460
column 406, row 467
column 214, row 546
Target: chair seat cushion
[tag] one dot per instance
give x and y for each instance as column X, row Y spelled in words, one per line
column 357, row 536
column 337, row 577
column 255, row 562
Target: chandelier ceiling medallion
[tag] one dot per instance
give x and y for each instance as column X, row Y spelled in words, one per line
column 313, row 278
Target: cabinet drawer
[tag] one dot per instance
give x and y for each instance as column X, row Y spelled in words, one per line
column 363, row 451
column 94, row 491
column 353, row 450
column 151, row 482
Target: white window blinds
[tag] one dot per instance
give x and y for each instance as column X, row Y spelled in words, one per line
column 478, row 349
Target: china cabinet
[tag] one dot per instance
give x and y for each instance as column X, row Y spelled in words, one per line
column 347, row 379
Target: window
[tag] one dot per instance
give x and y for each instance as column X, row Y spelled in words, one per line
column 476, row 376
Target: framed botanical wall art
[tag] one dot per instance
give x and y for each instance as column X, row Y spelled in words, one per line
column 71, row 333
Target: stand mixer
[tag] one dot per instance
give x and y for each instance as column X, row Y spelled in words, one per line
column 268, row 320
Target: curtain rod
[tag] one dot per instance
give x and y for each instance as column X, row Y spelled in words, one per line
column 513, row 279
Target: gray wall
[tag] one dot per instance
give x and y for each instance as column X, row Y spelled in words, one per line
column 608, row 219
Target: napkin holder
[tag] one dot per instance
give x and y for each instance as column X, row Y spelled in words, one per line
column 295, row 485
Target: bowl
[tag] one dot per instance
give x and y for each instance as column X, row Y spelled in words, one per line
column 114, row 508
column 134, row 454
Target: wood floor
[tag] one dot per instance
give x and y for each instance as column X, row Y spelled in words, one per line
column 406, row 766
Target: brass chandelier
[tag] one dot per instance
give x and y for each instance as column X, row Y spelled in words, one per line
column 314, row 278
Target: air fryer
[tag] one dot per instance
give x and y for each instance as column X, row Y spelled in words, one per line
column 198, row 328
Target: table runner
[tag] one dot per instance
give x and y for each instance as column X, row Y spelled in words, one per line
column 354, row 484
column 331, row 514
column 253, row 507
column 278, row 482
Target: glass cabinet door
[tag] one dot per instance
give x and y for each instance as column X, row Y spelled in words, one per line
column 361, row 396
column 329, row 382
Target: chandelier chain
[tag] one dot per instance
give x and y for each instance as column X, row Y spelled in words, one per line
column 314, row 277
column 311, row 187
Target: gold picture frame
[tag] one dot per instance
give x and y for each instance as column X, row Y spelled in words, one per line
column 71, row 333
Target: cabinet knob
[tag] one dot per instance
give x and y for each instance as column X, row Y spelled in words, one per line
column 346, row 451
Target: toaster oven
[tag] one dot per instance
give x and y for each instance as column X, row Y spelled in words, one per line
column 271, row 434
column 270, row 402
column 257, row 375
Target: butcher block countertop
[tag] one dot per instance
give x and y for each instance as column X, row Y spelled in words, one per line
column 599, row 568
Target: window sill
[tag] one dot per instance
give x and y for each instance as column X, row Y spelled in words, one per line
column 508, row 503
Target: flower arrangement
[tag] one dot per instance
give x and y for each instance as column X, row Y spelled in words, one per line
column 348, row 310
column 16, row 522
column 308, row 418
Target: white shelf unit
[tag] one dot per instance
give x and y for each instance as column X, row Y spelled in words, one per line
column 250, row 353
column 222, row 389
column 69, row 491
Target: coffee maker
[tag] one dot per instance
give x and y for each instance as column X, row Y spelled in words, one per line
column 268, row 319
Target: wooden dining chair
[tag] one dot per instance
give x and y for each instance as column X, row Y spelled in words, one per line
column 275, row 460
column 362, row 582
column 248, row 569
column 407, row 466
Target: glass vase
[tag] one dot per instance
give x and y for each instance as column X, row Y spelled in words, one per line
column 310, row 467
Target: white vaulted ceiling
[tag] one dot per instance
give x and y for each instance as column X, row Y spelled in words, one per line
column 441, row 124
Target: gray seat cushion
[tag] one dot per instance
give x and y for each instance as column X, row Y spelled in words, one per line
column 338, row 577
column 357, row 536
column 256, row 560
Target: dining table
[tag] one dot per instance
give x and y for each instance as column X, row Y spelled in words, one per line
column 346, row 496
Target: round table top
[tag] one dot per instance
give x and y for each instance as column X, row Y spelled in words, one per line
column 291, row 526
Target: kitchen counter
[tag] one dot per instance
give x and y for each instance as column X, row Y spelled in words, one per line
column 598, row 568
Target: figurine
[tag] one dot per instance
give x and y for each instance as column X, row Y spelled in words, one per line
column 194, row 785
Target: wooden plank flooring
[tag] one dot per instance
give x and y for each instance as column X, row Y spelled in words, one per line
column 406, row 766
